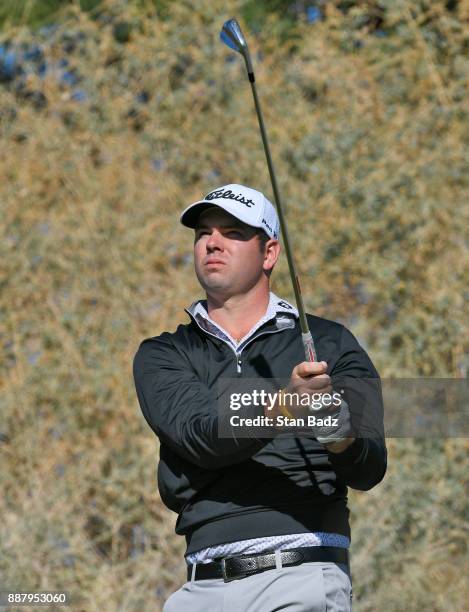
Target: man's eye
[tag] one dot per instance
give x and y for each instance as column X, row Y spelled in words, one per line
column 235, row 233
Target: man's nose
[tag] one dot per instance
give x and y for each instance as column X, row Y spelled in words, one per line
column 215, row 241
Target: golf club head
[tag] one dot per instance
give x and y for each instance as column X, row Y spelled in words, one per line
column 232, row 36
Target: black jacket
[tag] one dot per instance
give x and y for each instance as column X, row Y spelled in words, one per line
column 228, row 490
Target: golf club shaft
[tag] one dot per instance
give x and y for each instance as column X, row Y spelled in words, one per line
column 232, row 36
column 310, row 352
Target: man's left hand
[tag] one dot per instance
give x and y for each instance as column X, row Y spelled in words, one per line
column 338, row 435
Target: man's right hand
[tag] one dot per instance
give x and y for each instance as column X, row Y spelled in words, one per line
column 306, row 378
column 310, row 377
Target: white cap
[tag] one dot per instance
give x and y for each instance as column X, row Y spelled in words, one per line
column 246, row 204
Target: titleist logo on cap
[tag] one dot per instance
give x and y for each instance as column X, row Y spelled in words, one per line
column 255, row 209
column 227, row 194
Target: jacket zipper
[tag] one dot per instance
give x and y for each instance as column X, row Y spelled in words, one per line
column 237, row 354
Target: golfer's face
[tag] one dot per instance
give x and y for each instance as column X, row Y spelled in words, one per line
column 227, row 256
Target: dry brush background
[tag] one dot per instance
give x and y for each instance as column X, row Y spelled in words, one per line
column 368, row 130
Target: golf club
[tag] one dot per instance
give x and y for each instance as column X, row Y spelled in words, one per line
column 232, row 36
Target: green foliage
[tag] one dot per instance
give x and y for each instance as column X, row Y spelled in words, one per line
column 370, row 146
column 38, row 12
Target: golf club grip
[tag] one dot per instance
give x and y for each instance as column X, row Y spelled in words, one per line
column 308, row 344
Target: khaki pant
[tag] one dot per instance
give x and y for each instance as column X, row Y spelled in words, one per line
column 310, row 587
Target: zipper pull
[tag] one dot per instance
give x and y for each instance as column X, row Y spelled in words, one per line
column 238, row 364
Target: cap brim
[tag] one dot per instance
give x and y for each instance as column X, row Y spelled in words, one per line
column 191, row 214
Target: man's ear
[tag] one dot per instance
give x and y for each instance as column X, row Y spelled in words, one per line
column 271, row 254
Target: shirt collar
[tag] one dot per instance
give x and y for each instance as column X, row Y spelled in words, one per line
column 278, row 309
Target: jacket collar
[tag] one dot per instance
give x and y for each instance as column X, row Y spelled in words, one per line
column 281, row 312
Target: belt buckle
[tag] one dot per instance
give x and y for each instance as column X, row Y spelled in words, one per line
column 227, row 578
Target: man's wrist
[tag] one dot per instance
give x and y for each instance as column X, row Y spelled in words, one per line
column 340, row 446
column 273, row 410
column 279, row 408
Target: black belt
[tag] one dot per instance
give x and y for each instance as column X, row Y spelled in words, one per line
column 233, row 568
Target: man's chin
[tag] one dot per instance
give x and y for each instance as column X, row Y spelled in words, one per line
column 219, row 287
column 212, row 286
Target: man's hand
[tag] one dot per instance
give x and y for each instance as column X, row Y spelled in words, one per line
column 310, row 378
column 307, row 377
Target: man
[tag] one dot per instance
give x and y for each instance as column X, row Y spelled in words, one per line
column 265, row 518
